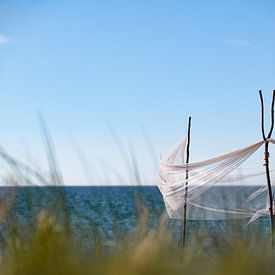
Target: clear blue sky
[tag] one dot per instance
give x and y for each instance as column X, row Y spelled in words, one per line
column 133, row 64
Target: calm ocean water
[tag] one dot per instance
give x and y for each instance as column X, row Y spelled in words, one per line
column 111, row 211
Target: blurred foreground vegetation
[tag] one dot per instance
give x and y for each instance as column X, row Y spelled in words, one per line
column 47, row 245
column 45, row 242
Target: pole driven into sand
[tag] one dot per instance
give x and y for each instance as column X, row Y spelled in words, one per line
column 266, row 159
column 186, row 184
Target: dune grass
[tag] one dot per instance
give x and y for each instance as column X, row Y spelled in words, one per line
column 48, row 247
column 46, row 244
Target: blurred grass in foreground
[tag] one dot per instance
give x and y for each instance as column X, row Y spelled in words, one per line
column 45, row 243
column 50, row 248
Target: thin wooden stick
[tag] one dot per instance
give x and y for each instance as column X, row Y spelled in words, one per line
column 266, row 158
column 186, row 187
column 262, row 110
column 272, row 115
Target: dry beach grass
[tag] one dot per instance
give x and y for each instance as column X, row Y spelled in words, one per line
column 45, row 244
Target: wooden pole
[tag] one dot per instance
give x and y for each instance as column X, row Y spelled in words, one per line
column 186, row 185
column 266, row 158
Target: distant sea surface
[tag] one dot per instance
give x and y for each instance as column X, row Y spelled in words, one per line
column 111, row 210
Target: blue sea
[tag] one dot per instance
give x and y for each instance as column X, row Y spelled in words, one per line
column 111, row 211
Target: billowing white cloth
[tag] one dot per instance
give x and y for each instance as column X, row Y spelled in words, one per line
column 212, row 190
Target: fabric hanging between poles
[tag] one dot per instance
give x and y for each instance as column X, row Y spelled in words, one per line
column 214, row 192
